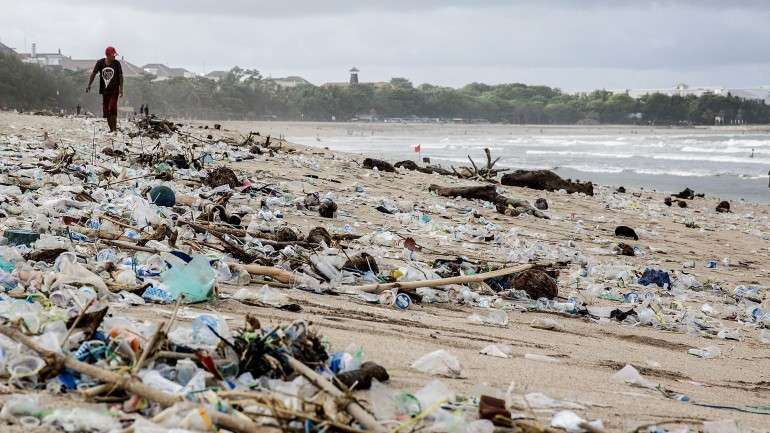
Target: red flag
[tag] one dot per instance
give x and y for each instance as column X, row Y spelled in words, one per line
column 417, row 148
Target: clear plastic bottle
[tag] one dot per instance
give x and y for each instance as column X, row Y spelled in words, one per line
column 201, row 330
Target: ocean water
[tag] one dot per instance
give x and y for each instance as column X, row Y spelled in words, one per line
column 732, row 165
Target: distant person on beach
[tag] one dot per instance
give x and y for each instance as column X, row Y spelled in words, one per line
column 77, row 110
column 146, row 110
column 752, row 153
column 110, row 85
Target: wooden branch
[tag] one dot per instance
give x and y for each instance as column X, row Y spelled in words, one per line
column 355, row 409
column 462, row 279
column 475, row 169
column 76, row 322
column 278, row 274
column 495, row 162
column 240, row 424
column 129, row 246
column 156, row 340
column 128, row 180
column 264, row 238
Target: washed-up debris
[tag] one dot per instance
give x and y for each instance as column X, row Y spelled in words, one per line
column 162, row 195
column 361, row 378
column 504, row 205
column 20, row 236
column 411, row 165
column 655, row 276
column 222, row 176
column 626, row 232
column 102, row 260
column 536, row 283
column 686, row 194
column 152, row 127
column 630, row 375
column 625, row 250
column 497, row 350
column 327, row 209
column 379, row 164
column 363, row 263
column 439, row 363
column 545, row 180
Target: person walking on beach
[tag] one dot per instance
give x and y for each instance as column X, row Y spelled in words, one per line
column 110, row 85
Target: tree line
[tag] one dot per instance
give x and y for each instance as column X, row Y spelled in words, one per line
column 243, row 94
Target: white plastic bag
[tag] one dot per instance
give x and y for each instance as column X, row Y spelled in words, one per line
column 439, row 363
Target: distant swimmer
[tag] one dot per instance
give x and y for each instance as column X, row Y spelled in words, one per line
column 317, row 138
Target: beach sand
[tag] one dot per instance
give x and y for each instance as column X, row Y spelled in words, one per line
column 588, row 352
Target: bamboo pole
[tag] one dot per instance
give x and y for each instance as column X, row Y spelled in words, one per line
column 462, row 279
column 278, row 274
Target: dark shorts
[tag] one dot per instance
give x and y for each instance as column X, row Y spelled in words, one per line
column 110, row 104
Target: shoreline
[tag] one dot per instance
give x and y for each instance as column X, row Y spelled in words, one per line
column 723, row 186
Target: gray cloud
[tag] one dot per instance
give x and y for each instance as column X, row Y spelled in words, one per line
column 291, row 8
column 570, row 44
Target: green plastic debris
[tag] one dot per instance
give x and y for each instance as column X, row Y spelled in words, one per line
column 21, row 236
column 194, row 280
column 6, row 265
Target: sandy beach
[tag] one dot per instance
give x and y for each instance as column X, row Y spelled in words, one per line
column 582, row 354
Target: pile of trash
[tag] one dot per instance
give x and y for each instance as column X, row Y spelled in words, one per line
column 88, row 233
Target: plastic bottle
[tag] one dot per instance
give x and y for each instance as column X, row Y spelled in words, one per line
column 341, row 362
column 631, row 297
column 565, row 307
column 106, row 255
column 201, row 330
column 185, row 369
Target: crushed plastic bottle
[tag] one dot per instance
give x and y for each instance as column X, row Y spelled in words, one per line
column 206, row 330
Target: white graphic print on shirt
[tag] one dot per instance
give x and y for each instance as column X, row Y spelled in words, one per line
column 107, row 74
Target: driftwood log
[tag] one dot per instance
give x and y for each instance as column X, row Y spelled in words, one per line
column 408, row 164
column 381, row 165
column 545, row 180
column 504, row 205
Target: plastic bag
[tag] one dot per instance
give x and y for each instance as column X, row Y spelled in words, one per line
column 432, row 393
column 439, row 363
column 497, row 350
column 630, row 375
column 490, row 316
column 79, row 419
column 265, row 294
column 572, row 423
column 194, row 280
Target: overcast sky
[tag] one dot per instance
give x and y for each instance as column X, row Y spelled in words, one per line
column 572, row 44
